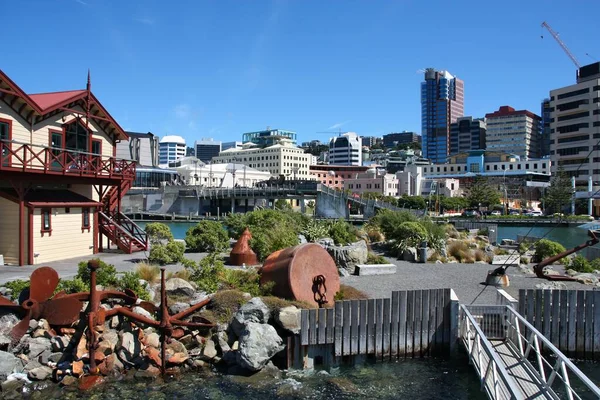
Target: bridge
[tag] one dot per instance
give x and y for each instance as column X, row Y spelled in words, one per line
column 193, row 200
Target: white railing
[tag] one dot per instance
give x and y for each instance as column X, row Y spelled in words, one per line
column 548, row 363
column 494, row 378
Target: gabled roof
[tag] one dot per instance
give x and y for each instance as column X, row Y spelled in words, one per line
column 36, row 107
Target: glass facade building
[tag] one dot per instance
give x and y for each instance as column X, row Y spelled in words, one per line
column 268, row 137
column 154, row 177
column 206, row 149
column 467, row 134
column 442, row 103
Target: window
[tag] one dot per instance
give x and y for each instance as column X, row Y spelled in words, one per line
column 5, row 134
column 76, row 137
column 574, row 93
column 97, row 146
column 67, row 210
column 85, row 219
column 46, row 221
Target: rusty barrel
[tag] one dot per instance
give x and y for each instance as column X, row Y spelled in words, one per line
column 304, row 272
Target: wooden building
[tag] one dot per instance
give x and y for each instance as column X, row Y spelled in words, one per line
column 60, row 181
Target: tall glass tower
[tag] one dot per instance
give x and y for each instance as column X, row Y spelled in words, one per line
column 442, row 103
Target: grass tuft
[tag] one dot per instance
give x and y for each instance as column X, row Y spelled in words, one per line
column 148, row 272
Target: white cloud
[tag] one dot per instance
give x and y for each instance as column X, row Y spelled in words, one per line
column 339, row 124
column 82, row 2
column 146, row 20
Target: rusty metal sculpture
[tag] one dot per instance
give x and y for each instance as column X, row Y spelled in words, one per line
column 242, row 253
column 304, row 272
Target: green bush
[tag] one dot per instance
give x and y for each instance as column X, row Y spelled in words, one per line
column 131, row 281
column 315, row 230
column 158, row 233
column 266, row 242
column 342, row 232
column 207, row 273
column 436, row 234
column 106, row 274
column 388, row 220
column 580, row 264
column 74, row 285
column 207, row 236
column 461, row 252
column 409, row 234
column 483, row 232
column 545, row 248
column 235, row 224
column 17, row 286
column 171, row 253
column 376, row 259
column 247, row 281
column 282, row 204
column 595, row 264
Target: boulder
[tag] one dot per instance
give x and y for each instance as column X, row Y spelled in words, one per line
column 258, row 344
column 39, row 373
column 110, row 340
column 140, row 311
column 209, row 351
column 36, row 346
column 178, row 307
column 587, row 278
column 128, row 348
column 289, row 319
column 302, row 239
column 179, row 287
column 7, row 322
column 410, row 255
column 507, row 242
column 149, row 372
column 347, row 257
column 253, row 311
column 153, row 340
column 9, row 364
column 198, row 297
column 326, row 242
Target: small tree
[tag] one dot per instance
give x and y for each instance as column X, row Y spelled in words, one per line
column 545, row 248
column 559, row 193
column 282, row 204
column 207, row 236
column 483, row 193
column 409, row 234
column 158, row 233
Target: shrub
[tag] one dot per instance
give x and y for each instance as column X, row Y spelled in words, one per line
column 500, row 252
column 276, row 303
column 149, row 273
column 409, row 234
column 131, row 281
column 106, row 274
column 207, row 274
column 181, row 274
column 247, row 281
column 225, row 303
column 483, row 232
column 545, row 248
column 524, row 260
column 342, row 232
column 207, row 236
column 524, row 247
column 158, row 233
column 236, row 223
column 282, row 204
column 376, row 259
column 315, row 230
column 451, row 231
column 479, row 255
column 435, row 256
column 266, row 241
column 461, row 252
column 580, row 264
column 436, row 234
column 595, row 264
column 388, row 220
column 170, row 253
column 374, row 233
column 17, row 286
column 72, row 286
column 350, row 293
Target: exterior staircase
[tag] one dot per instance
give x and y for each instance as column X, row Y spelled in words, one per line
column 116, row 226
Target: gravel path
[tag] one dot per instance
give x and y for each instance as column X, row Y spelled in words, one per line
column 465, row 279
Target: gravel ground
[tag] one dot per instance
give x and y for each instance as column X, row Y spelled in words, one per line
column 465, row 279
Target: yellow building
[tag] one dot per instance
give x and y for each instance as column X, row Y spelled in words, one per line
column 60, row 182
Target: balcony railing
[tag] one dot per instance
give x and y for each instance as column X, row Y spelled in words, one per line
column 26, row 157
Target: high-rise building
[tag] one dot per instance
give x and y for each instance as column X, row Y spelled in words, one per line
column 171, row 148
column 140, row 147
column 575, row 129
column 393, row 139
column 467, row 134
column 369, row 141
column 545, row 136
column 269, row 136
column 206, row 149
column 345, row 149
column 514, row 131
column 442, row 103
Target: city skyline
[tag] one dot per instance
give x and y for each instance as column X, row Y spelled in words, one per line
column 220, row 69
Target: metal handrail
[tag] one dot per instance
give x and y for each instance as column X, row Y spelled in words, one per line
column 119, row 228
column 559, row 368
column 475, row 341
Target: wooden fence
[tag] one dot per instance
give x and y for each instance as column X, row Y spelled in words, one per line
column 416, row 323
column 570, row 319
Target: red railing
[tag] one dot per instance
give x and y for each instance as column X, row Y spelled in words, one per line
column 27, row 157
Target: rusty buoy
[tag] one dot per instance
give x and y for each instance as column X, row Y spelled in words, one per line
column 304, row 272
column 242, row 253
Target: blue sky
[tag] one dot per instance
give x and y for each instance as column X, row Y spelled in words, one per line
column 221, row 68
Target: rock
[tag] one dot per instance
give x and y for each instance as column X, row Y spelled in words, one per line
column 36, row 346
column 178, row 307
column 44, row 358
column 177, row 347
column 4, row 291
column 444, row 250
column 33, row 324
column 39, row 373
column 187, row 340
column 114, row 322
column 149, row 372
column 178, row 286
column 302, row 239
column 526, row 270
column 482, row 238
column 43, row 324
column 110, row 365
column 209, row 351
column 59, row 343
column 128, row 348
column 9, row 364
column 347, row 257
column 326, row 242
column 153, row 355
column 142, row 312
column 253, row 311
column 507, row 242
column 438, row 262
column 289, row 319
column 230, row 357
column 222, row 341
column 587, row 278
column 5, row 341
column 153, row 340
column 410, row 255
column 69, row 381
column 258, row 343
column 571, row 272
column 235, row 345
column 177, row 358
column 198, row 297
column 551, row 285
column 110, row 338
column 199, row 364
column 55, row 357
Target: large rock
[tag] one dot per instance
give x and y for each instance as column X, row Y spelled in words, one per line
column 347, row 257
column 178, row 307
column 35, row 346
column 253, row 311
column 587, row 278
column 410, row 255
column 289, row 319
column 258, row 344
column 9, row 364
column 39, row 373
column 209, row 351
column 7, row 322
column 129, row 348
column 178, row 286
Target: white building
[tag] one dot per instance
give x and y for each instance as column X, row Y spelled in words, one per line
column 373, row 181
column 345, row 149
column 171, row 148
column 231, row 145
column 221, row 175
column 514, row 132
column 283, row 158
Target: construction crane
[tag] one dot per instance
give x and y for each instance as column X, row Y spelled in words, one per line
column 340, row 133
column 560, row 42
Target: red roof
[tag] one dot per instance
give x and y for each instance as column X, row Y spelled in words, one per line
column 48, row 100
column 505, row 111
